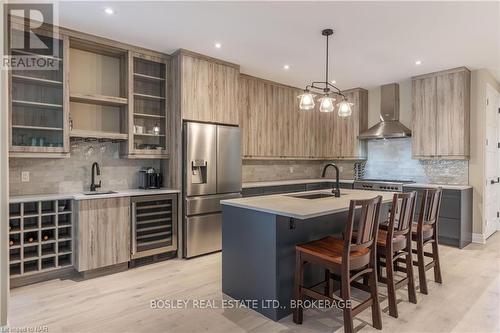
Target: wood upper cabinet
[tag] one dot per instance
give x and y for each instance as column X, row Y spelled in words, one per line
column 350, row 127
column 208, row 88
column 274, row 127
column 102, row 232
column 225, row 94
column 424, row 103
column 440, row 113
column 453, row 103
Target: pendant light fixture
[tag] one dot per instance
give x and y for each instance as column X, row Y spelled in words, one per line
column 327, row 90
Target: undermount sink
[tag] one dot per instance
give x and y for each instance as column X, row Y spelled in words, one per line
column 312, row 196
column 98, row 192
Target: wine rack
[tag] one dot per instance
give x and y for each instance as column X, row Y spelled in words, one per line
column 40, row 236
column 154, row 223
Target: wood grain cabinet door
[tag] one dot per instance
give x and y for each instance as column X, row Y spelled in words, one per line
column 197, row 89
column 351, row 147
column 225, row 94
column 452, row 137
column 424, row 109
column 103, row 232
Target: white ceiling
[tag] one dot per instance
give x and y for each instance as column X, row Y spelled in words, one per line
column 374, row 43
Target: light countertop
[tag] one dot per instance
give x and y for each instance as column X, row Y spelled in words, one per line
column 299, row 208
column 81, row 196
column 444, row 186
column 293, row 182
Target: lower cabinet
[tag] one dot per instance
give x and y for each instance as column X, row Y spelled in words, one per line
column 455, row 216
column 102, row 232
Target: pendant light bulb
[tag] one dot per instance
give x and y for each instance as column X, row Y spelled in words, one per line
column 344, row 108
column 306, row 101
column 326, row 104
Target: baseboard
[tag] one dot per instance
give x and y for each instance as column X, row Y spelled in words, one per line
column 478, row 238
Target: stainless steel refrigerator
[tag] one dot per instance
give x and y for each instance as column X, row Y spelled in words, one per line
column 212, row 172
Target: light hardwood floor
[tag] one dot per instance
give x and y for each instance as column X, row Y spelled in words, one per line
column 468, row 301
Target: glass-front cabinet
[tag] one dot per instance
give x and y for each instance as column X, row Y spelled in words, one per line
column 38, row 103
column 148, row 118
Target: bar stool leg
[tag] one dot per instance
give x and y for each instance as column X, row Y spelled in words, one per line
column 376, row 312
column 412, row 296
column 391, row 288
column 297, row 292
column 346, row 296
column 437, row 267
column 328, row 283
column 421, row 267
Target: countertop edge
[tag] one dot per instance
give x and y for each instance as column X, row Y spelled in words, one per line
column 293, row 182
column 80, row 196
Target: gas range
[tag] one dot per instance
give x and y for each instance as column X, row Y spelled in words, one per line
column 381, row 184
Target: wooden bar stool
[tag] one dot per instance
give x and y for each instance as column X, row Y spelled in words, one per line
column 424, row 232
column 349, row 259
column 394, row 242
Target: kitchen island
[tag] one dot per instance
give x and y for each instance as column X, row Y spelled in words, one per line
column 259, row 235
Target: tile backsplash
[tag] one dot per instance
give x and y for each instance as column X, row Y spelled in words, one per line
column 268, row 170
column 391, row 159
column 73, row 174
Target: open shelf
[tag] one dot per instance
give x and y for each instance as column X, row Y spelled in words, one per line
column 98, row 135
column 156, row 116
column 38, row 128
column 98, row 99
column 149, row 96
column 40, row 236
column 146, row 134
column 21, row 52
column 36, row 80
column 37, row 104
column 148, row 77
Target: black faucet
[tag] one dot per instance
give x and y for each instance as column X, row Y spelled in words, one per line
column 97, row 170
column 336, row 189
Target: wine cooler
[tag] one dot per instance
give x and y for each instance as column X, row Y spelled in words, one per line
column 154, row 225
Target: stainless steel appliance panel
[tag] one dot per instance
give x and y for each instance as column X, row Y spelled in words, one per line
column 200, row 161
column 207, row 204
column 228, row 159
column 203, row 234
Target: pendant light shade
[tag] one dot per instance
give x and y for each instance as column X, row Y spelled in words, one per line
column 306, row 101
column 344, row 108
column 326, row 89
column 326, row 104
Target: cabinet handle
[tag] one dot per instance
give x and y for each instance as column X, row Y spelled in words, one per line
column 495, row 181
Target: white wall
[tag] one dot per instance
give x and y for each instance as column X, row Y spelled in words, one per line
column 479, row 80
column 4, row 184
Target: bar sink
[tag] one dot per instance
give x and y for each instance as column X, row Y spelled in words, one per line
column 98, row 192
column 312, row 196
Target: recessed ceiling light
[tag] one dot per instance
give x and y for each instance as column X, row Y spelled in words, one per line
column 109, row 11
column 418, row 62
column 286, row 67
column 333, row 81
column 218, row 45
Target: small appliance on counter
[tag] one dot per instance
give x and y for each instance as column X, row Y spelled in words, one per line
column 150, row 178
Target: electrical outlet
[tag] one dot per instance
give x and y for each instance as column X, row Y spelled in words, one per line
column 291, row 170
column 25, row 176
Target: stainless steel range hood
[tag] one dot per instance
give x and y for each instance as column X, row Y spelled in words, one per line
column 389, row 126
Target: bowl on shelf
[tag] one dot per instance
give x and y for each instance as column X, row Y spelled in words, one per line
column 61, row 208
